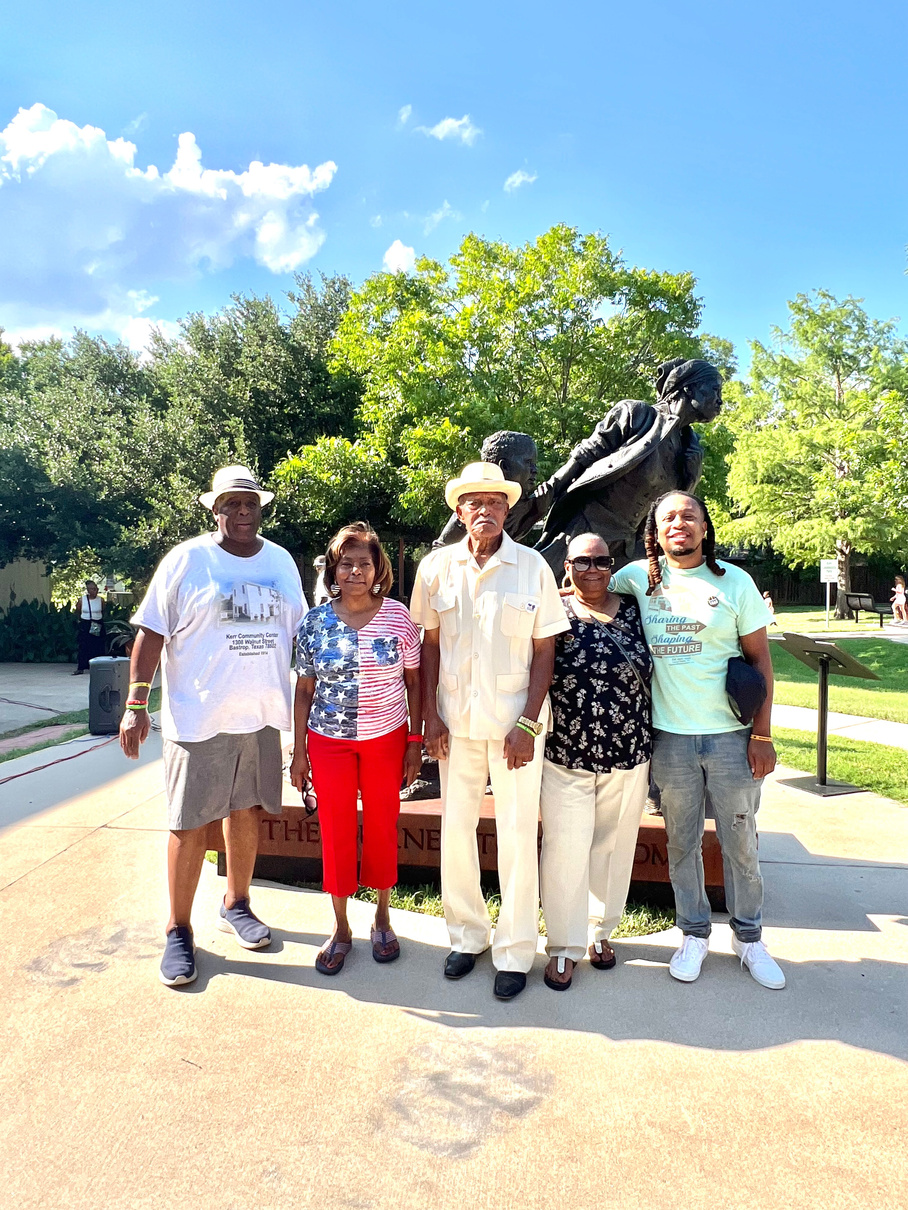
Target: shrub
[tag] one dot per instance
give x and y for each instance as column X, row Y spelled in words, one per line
column 33, row 632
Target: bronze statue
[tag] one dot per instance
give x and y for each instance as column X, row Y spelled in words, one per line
column 635, row 454
column 516, row 454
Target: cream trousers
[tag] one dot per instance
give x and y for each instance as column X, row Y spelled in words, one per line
column 589, row 823
column 463, row 782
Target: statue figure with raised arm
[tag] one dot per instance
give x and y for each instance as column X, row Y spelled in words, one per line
column 635, row 454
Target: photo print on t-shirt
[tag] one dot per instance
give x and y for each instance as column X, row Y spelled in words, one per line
column 250, row 604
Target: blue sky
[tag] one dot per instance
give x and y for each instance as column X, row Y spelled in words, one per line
column 761, row 147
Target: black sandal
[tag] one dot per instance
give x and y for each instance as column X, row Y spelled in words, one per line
column 560, row 967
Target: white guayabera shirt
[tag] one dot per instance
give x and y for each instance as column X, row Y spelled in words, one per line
column 488, row 617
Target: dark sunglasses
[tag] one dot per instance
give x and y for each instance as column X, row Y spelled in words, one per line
column 584, row 562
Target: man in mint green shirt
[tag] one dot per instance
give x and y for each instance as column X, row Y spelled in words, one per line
column 697, row 614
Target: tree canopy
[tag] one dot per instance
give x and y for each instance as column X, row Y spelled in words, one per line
column 816, row 468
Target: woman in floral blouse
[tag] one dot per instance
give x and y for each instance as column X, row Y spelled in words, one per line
column 358, row 664
column 596, row 770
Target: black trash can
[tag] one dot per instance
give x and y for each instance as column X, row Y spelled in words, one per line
column 108, row 687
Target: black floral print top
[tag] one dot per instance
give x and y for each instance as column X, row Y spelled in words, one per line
column 600, row 713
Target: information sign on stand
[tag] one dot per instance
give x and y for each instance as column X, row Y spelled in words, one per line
column 829, row 574
column 823, row 657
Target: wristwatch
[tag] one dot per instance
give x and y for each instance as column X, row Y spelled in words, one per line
column 530, row 724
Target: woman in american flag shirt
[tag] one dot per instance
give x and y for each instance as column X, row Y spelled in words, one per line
column 358, row 683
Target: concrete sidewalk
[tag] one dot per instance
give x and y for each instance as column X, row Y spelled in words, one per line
column 266, row 1085
column 31, row 693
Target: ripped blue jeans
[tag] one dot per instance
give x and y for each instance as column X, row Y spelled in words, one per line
column 685, row 767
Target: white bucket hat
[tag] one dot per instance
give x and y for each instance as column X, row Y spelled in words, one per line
column 481, row 477
column 234, row 479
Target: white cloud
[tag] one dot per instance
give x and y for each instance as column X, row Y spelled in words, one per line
column 138, row 123
column 453, row 128
column 444, row 211
column 399, row 258
column 518, row 178
column 403, row 114
column 86, row 232
column 375, row 220
column 485, row 205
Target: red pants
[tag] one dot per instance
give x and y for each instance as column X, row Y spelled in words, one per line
column 375, row 767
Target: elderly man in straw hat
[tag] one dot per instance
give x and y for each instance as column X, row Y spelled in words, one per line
column 491, row 611
column 220, row 615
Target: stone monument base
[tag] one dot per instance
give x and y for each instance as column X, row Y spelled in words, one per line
column 290, row 849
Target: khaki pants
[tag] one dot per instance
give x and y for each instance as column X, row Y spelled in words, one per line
column 463, row 782
column 589, row 823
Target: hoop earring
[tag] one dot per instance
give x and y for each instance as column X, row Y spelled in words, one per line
column 376, row 590
column 335, row 590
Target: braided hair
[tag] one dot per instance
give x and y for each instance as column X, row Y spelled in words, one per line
column 651, row 541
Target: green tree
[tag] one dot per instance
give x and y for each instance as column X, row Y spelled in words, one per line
column 541, row 338
column 814, row 431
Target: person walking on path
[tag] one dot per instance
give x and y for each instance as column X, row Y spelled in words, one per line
column 220, row 614
column 899, row 610
column 491, row 610
column 596, row 769
column 90, row 635
column 358, row 664
column 698, row 613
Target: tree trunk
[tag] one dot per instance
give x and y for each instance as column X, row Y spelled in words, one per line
column 843, row 550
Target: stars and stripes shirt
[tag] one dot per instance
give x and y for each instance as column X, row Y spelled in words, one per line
column 359, row 674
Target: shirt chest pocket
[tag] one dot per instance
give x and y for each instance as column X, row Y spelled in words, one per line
column 445, row 606
column 518, row 615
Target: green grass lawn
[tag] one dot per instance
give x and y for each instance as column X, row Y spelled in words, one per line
column 805, row 619
column 886, row 698
column 875, row 767
column 639, row 919
column 79, row 719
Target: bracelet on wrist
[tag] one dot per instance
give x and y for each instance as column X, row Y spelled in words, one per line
column 414, row 739
column 137, row 705
column 766, row 739
column 140, row 684
column 524, row 727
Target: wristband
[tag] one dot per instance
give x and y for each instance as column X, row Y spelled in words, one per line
column 766, row 739
column 528, row 730
column 137, row 705
column 140, row 684
column 414, row 739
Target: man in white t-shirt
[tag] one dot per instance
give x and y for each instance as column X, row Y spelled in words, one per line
column 220, row 615
column 698, row 614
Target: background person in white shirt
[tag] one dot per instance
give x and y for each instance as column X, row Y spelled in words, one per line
column 220, row 614
column 491, row 611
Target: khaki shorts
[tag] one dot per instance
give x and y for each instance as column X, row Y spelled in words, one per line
column 205, row 781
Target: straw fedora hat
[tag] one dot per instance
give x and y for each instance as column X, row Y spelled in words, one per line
column 481, row 477
column 234, row 479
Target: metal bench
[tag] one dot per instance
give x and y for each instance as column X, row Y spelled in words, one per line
column 864, row 601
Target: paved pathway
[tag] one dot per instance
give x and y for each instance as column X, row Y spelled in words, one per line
column 266, row 1085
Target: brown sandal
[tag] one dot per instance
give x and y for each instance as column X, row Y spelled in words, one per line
column 598, row 958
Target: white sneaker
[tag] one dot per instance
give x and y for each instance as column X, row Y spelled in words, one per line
column 686, row 961
column 758, row 960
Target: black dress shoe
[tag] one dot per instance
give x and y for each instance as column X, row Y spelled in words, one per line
column 509, row 984
column 457, row 965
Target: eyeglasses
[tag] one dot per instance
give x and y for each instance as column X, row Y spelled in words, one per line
column 584, row 562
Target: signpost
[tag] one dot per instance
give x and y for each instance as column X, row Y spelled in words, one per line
column 829, row 574
column 823, row 657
